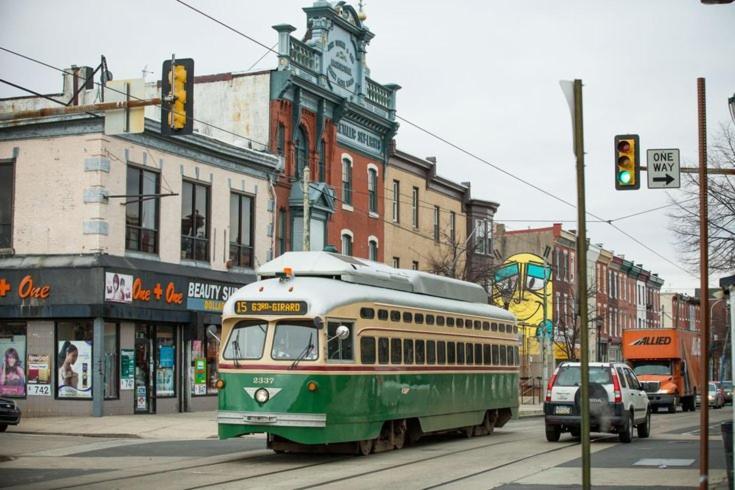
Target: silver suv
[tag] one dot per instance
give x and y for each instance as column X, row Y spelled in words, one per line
column 616, row 398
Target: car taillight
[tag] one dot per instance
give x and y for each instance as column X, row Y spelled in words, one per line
column 616, row 387
column 551, row 383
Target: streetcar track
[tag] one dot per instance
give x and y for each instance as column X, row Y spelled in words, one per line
column 408, row 463
column 509, row 463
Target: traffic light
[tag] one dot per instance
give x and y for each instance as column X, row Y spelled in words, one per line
column 627, row 162
column 177, row 97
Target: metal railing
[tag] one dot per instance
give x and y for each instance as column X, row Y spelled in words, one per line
column 531, row 390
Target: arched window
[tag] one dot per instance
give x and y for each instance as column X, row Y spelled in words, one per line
column 372, row 190
column 302, row 152
column 346, row 181
column 346, row 243
column 373, row 249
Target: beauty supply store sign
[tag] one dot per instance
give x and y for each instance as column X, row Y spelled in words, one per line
column 166, row 292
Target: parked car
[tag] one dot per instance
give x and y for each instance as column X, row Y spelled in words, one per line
column 715, row 396
column 727, row 390
column 616, row 399
column 9, row 413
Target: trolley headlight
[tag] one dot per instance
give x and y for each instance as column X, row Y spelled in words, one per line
column 261, row 395
column 219, row 384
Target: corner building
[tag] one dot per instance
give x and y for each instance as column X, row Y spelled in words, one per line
column 319, row 109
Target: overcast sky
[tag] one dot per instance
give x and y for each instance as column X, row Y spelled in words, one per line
column 482, row 74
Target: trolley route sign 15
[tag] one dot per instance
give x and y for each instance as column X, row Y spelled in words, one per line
column 243, row 307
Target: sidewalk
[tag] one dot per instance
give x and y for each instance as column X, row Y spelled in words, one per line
column 180, row 426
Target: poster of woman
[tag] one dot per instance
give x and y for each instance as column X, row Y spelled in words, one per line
column 12, row 372
column 118, row 287
column 75, row 369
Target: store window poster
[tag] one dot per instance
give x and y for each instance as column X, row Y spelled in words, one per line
column 75, row 369
column 12, row 369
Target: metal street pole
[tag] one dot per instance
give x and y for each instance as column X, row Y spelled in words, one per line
column 307, row 211
column 545, row 339
column 582, row 282
column 703, row 286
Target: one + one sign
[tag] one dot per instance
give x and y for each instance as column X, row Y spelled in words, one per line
column 664, row 171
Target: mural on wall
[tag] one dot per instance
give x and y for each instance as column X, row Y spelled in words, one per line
column 522, row 285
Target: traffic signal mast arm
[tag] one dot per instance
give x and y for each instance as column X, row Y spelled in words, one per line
column 694, row 170
column 100, row 107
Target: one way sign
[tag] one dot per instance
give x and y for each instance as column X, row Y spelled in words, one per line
column 663, row 169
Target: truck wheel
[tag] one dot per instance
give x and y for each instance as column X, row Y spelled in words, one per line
column 674, row 404
column 553, row 432
column 644, row 429
column 3, row 427
column 625, row 432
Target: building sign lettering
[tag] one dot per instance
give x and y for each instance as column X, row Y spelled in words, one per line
column 360, row 138
column 206, row 296
column 26, row 288
column 341, row 64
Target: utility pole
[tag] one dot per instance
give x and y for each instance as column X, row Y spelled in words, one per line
column 573, row 93
column 703, row 285
column 307, row 211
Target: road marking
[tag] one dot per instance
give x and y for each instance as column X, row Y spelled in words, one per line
column 663, row 462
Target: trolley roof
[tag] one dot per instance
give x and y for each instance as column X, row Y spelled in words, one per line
column 368, row 273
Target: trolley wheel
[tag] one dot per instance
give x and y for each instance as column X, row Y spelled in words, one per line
column 399, row 434
column 364, row 448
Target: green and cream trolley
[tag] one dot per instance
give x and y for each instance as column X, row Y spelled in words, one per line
column 332, row 350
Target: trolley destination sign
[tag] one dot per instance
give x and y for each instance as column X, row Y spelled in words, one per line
column 270, row 307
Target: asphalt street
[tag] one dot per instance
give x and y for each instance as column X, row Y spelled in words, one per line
column 515, row 457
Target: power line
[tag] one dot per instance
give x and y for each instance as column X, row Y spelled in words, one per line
column 462, row 150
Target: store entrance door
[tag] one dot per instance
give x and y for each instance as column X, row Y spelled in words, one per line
column 144, row 401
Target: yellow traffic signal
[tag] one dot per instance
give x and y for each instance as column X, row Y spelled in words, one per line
column 177, row 95
column 627, row 162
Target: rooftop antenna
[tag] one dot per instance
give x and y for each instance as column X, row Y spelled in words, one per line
column 144, row 71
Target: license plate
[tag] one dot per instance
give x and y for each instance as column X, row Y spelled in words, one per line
column 563, row 410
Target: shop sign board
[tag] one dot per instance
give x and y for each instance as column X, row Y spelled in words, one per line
column 39, row 375
column 127, row 369
column 75, row 370
column 12, row 370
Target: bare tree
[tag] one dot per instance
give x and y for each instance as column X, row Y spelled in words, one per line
column 721, row 203
column 458, row 259
column 567, row 336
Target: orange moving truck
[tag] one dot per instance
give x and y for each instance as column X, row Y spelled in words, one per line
column 666, row 361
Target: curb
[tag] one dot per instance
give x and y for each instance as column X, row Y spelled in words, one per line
column 110, row 435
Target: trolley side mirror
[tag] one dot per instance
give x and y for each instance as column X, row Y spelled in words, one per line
column 318, row 323
column 341, row 333
column 212, row 332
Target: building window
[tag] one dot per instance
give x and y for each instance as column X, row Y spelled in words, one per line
column 242, row 218
column 396, row 201
column 415, row 207
column 6, row 203
column 74, row 359
column 346, row 244
column 317, row 232
column 396, row 262
column 12, row 361
column 436, row 223
column 204, row 364
column 372, row 190
column 415, row 265
column 282, row 232
column 322, row 160
column 482, row 237
column 194, row 221
column 141, row 212
column 373, row 250
column 346, row 181
column 302, row 152
column 452, row 226
column 165, row 362
column 280, row 139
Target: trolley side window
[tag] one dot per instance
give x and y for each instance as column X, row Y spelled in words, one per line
column 293, row 341
column 450, row 321
column 515, row 356
column 367, row 313
column 440, row 321
column 494, row 326
column 431, row 352
column 503, row 357
column 420, row 352
column 429, row 319
column 486, row 357
column 486, row 325
column 469, row 353
column 441, row 352
column 450, row 353
column 383, row 350
column 460, row 353
column 407, row 317
column 367, row 350
column 478, row 324
column 407, row 351
column 418, row 318
column 383, row 315
column 339, row 349
column 395, row 316
column 246, row 341
column 395, row 351
column 460, row 323
column 478, row 353
column 496, row 355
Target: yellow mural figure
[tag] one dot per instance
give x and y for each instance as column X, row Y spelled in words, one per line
column 522, row 286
